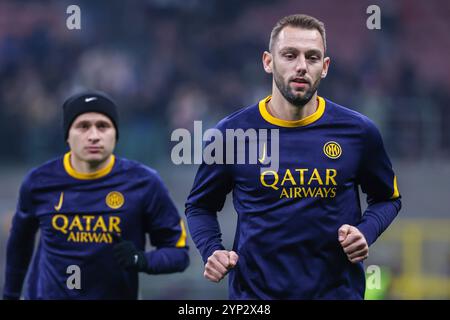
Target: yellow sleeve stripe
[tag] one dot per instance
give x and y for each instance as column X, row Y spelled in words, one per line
column 182, row 241
column 395, row 194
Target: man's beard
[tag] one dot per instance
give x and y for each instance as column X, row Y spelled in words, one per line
column 288, row 93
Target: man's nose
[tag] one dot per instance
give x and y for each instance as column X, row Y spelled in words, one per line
column 300, row 67
column 93, row 134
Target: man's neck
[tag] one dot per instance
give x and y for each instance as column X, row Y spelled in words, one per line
column 87, row 167
column 282, row 109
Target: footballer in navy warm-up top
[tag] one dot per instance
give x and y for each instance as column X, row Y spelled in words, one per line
column 288, row 220
column 77, row 214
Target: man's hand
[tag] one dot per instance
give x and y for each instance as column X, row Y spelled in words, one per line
column 353, row 242
column 127, row 255
column 219, row 263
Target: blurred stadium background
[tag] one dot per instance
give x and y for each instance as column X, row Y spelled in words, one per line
column 170, row 62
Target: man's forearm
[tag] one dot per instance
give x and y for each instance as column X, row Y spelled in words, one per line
column 167, row 260
column 377, row 217
column 205, row 230
column 18, row 255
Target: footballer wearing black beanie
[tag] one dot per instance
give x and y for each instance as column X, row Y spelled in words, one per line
column 89, row 101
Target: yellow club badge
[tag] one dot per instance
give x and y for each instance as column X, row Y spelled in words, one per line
column 115, row 200
column 332, row 149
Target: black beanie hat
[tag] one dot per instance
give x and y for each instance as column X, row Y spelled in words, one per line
column 89, row 101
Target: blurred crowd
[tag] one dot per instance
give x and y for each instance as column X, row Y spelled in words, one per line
column 168, row 63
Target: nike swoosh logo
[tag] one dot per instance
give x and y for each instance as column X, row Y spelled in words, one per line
column 263, row 158
column 61, row 199
column 90, row 99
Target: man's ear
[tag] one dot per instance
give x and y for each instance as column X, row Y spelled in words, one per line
column 326, row 65
column 267, row 61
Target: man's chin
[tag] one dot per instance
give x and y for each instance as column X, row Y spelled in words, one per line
column 95, row 158
column 300, row 99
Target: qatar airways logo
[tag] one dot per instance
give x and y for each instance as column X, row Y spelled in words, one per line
column 87, row 228
column 302, row 182
column 232, row 146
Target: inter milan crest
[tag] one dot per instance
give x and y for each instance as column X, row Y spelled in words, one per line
column 332, row 149
column 115, row 200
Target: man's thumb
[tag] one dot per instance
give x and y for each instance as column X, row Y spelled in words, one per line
column 233, row 258
column 343, row 231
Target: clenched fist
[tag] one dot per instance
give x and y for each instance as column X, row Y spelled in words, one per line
column 219, row 263
column 353, row 242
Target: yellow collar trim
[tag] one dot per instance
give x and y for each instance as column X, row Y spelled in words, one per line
column 287, row 123
column 87, row 176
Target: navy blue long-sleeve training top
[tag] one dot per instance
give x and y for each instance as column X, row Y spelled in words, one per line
column 288, row 220
column 76, row 214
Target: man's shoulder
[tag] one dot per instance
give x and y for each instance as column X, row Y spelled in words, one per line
column 48, row 168
column 43, row 173
column 243, row 117
column 339, row 112
column 133, row 168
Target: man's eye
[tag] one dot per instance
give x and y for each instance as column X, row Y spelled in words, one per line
column 289, row 56
column 314, row 58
